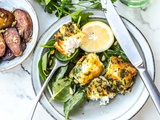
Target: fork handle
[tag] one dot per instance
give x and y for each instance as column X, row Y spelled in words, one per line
column 152, row 89
column 35, row 102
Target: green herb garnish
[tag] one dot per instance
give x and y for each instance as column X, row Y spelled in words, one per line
column 66, row 7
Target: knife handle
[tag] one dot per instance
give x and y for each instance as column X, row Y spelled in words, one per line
column 152, row 89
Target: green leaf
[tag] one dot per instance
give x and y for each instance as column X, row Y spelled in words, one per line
column 75, row 15
column 45, row 62
column 80, row 15
column 113, row 1
column 49, row 44
column 41, row 73
column 95, row 6
column 85, row 16
column 108, row 53
column 61, row 91
column 63, row 95
column 62, row 57
column 50, row 7
column 47, row 1
column 65, row 7
column 61, row 72
column 53, row 63
column 41, row 2
column 73, row 102
column 63, row 2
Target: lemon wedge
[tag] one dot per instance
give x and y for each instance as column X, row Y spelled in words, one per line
column 98, row 37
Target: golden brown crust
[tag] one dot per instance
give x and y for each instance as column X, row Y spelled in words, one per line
column 68, row 38
column 6, row 18
column 87, row 68
column 98, row 88
column 121, row 74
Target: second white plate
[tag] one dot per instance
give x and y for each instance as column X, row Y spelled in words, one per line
column 24, row 5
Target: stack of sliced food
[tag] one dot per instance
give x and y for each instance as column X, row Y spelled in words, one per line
column 15, row 31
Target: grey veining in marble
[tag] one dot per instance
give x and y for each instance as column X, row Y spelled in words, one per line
column 16, row 91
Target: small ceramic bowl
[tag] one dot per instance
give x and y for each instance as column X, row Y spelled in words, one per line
column 24, row 5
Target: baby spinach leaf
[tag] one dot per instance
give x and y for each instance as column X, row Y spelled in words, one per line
column 73, row 102
column 41, row 73
column 85, row 16
column 75, row 15
column 47, row 1
column 49, row 44
column 116, row 50
column 51, row 66
column 61, row 91
column 61, row 72
column 96, row 5
column 45, row 58
column 80, row 17
column 62, row 57
column 64, row 95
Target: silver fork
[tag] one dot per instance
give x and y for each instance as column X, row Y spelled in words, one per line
column 36, row 100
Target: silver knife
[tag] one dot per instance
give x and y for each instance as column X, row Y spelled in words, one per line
column 123, row 37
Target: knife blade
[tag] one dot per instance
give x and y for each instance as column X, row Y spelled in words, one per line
column 123, row 37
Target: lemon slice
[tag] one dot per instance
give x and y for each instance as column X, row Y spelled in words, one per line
column 98, row 37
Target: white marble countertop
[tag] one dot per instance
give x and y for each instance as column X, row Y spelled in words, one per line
column 16, row 91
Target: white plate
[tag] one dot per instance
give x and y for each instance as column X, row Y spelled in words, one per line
column 123, row 107
column 24, row 5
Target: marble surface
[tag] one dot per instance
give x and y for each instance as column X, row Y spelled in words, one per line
column 16, row 91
